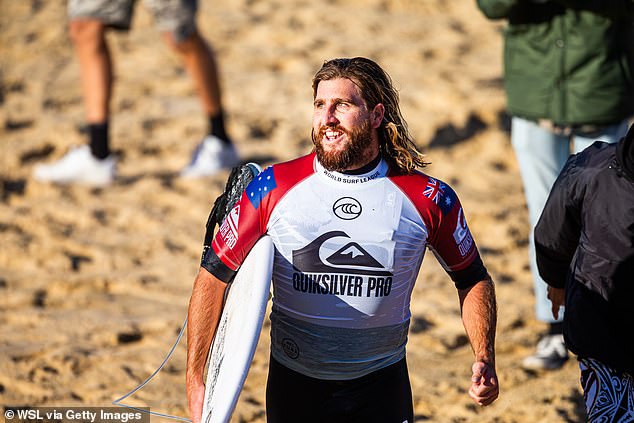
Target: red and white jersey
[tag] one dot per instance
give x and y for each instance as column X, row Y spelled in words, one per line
column 348, row 249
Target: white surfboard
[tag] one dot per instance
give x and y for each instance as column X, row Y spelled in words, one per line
column 238, row 332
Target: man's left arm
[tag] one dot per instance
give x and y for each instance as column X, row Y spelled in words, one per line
column 479, row 316
column 454, row 247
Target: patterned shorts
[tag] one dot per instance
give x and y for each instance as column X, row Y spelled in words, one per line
column 175, row 16
column 609, row 395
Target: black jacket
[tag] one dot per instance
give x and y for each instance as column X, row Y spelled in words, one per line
column 585, row 243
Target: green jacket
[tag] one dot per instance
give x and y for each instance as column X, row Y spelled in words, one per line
column 568, row 61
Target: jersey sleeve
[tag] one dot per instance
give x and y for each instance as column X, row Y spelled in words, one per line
column 241, row 229
column 453, row 243
column 248, row 220
column 448, row 234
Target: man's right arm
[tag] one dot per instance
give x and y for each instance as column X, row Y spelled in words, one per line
column 205, row 309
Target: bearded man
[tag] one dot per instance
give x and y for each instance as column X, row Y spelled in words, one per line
column 350, row 223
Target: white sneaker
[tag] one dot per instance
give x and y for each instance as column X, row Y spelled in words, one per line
column 211, row 156
column 551, row 354
column 78, row 166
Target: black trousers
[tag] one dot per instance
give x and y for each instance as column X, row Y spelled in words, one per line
column 384, row 396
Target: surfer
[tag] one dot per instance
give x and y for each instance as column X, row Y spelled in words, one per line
column 350, row 223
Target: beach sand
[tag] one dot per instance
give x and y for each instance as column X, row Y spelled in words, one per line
column 94, row 283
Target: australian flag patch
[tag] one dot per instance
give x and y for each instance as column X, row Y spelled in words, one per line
column 261, row 186
column 441, row 194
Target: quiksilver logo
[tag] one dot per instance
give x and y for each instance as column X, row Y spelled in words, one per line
column 461, row 234
column 347, row 208
column 350, row 258
column 344, row 269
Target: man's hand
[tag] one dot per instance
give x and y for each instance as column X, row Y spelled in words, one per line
column 195, row 401
column 484, row 383
column 557, row 297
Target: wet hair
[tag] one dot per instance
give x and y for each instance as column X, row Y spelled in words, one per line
column 395, row 142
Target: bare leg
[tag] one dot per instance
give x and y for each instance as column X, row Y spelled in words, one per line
column 88, row 164
column 88, row 36
column 201, row 65
column 216, row 151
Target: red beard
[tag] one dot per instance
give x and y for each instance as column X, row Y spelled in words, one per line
column 352, row 156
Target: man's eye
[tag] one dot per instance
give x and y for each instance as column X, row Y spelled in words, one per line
column 343, row 106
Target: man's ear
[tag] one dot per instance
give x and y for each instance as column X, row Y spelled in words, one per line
column 377, row 115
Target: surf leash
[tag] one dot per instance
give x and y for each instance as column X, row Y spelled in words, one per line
column 237, row 182
column 146, row 381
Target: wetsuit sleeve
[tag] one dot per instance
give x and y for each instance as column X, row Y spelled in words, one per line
column 212, row 263
column 469, row 276
column 559, row 227
column 453, row 244
column 241, row 229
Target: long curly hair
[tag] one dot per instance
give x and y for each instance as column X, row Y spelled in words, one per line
column 395, row 142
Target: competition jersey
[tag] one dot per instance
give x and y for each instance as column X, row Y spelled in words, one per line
column 348, row 249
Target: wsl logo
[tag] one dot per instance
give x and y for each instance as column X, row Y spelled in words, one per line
column 349, row 270
column 290, row 348
column 347, row 208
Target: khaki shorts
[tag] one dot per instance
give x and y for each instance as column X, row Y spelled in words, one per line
column 175, row 16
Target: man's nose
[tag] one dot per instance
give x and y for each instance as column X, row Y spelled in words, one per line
column 331, row 116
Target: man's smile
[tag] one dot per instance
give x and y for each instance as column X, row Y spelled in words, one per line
column 332, row 136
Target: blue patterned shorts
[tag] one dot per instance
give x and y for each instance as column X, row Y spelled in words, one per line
column 608, row 394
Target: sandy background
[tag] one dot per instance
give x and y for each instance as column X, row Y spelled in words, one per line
column 94, row 283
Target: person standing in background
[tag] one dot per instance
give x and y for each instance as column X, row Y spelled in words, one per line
column 93, row 164
column 568, row 77
column 584, row 242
